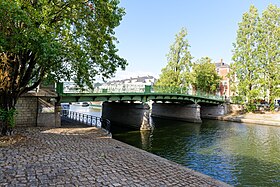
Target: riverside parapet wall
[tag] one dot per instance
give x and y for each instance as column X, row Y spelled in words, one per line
column 37, row 109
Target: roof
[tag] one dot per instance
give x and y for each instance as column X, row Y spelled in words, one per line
column 221, row 65
column 136, row 79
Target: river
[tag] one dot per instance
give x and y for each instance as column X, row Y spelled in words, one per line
column 235, row 153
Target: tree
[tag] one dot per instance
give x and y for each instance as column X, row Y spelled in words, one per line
column 177, row 72
column 54, row 40
column 205, row 76
column 257, row 55
column 269, row 52
column 245, row 56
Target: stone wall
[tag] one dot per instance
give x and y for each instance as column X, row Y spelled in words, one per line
column 48, row 120
column 26, row 111
column 212, row 111
column 185, row 112
column 30, row 113
column 235, row 108
column 134, row 115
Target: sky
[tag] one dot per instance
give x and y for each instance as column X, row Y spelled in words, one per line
column 149, row 27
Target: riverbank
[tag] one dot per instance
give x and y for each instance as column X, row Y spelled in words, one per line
column 267, row 118
column 75, row 156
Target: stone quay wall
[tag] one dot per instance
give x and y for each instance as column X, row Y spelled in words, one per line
column 26, row 111
column 29, row 113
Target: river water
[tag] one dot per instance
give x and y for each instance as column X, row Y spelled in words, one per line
column 86, row 110
column 235, row 153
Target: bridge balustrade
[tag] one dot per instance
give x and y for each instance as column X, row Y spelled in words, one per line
column 87, row 119
column 185, row 91
column 144, row 89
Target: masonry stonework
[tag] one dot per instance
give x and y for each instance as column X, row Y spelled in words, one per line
column 184, row 112
column 26, row 111
column 133, row 115
column 29, row 113
column 213, row 111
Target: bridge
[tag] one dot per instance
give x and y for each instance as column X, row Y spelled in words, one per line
column 142, row 94
column 129, row 105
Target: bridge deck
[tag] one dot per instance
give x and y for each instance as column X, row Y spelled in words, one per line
column 144, row 95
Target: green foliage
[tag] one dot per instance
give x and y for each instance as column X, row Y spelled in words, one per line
column 251, row 107
column 256, row 55
column 56, row 40
column 269, row 52
column 205, row 77
column 60, row 40
column 177, row 71
column 245, row 64
column 236, row 99
column 170, row 89
column 8, row 116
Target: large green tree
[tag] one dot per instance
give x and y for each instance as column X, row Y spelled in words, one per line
column 245, row 56
column 177, row 71
column 56, row 40
column 205, row 77
column 269, row 52
column 256, row 56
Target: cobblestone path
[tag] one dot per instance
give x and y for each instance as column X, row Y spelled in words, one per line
column 86, row 157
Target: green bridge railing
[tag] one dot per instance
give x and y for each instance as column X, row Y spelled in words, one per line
column 185, row 91
column 146, row 89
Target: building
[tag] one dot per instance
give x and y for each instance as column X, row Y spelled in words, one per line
column 136, row 84
column 223, row 69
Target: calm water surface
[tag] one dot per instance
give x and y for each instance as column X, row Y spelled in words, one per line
column 86, row 110
column 238, row 154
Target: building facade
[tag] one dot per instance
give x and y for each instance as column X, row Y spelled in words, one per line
column 136, row 84
column 223, row 70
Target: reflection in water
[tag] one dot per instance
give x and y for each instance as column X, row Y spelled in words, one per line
column 235, row 153
column 146, row 139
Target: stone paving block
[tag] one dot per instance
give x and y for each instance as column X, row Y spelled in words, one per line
column 87, row 157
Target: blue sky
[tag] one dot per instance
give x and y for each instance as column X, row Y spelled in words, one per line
column 149, row 27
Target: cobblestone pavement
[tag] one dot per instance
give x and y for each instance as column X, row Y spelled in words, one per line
column 86, row 157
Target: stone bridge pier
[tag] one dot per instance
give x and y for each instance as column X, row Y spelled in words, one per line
column 213, row 111
column 180, row 111
column 188, row 112
column 137, row 115
column 134, row 115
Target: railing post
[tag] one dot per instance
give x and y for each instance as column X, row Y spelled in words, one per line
column 88, row 120
column 59, row 88
column 148, row 88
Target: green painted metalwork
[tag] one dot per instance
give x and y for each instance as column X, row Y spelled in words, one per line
column 142, row 94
